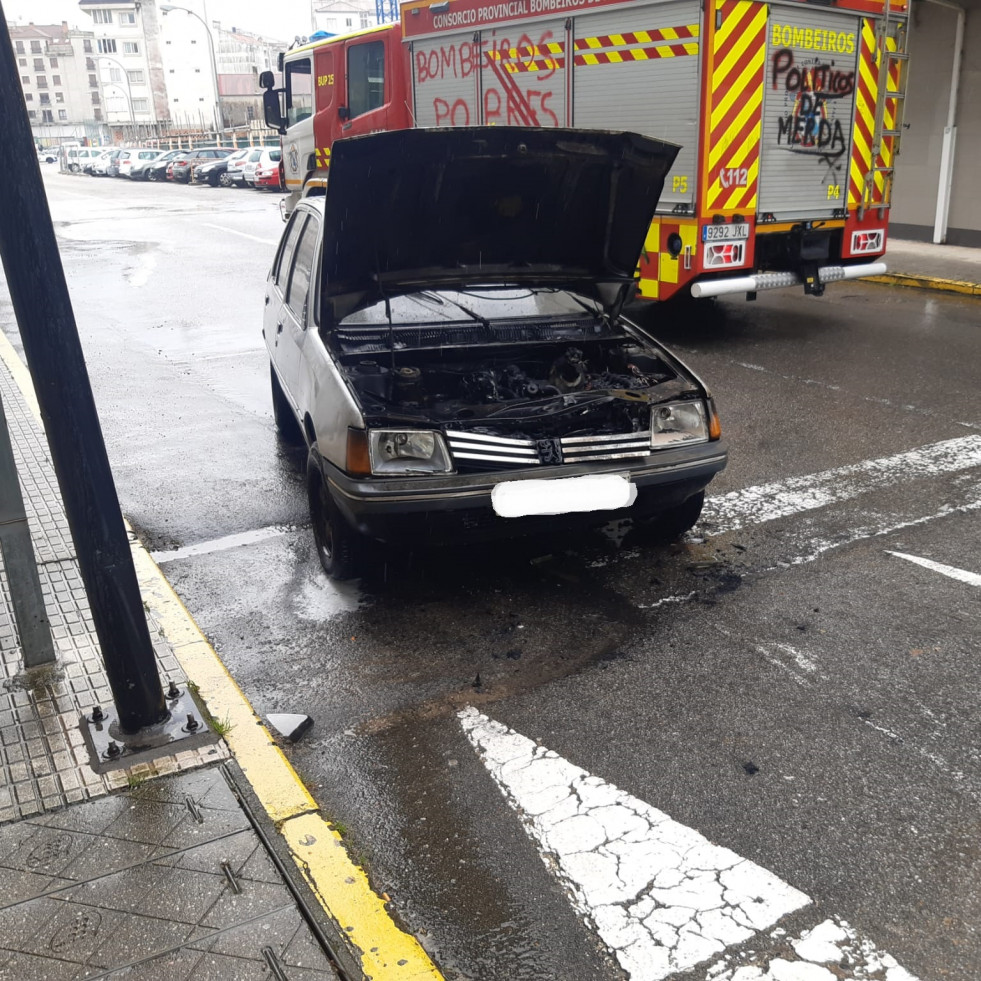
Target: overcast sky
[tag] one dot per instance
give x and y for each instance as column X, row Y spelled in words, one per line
column 277, row 19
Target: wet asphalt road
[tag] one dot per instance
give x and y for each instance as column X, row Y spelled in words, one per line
column 783, row 684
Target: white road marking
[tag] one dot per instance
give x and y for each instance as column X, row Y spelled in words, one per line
column 833, row 942
column 971, row 578
column 780, row 499
column 218, row 544
column 235, row 231
column 661, row 897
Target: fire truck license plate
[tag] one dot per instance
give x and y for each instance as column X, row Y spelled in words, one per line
column 725, row 233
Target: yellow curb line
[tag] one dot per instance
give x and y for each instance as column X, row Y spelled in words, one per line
column 927, row 283
column 383, row 949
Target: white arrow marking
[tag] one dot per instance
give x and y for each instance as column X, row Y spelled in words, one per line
column 661, row 897
column 971, row 578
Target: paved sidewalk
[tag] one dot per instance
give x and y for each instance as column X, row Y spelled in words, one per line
column 155, row 872
column 948, row 268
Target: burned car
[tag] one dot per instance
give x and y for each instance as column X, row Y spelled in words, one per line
column 446, row 337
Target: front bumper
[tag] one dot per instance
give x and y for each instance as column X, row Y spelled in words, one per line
column 444, row 508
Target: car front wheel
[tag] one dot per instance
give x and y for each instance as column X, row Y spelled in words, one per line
column 336, row 540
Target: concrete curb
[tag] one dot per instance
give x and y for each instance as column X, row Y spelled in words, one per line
column 362, row 925
column 927, row 283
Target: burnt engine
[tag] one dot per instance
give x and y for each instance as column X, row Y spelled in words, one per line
column 490, row 378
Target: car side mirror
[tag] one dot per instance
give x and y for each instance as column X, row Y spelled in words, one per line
column 267, row 80
column 343, row 113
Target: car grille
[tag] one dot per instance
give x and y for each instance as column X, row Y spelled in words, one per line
column 475, row 449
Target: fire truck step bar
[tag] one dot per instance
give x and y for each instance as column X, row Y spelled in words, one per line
column 781, row 280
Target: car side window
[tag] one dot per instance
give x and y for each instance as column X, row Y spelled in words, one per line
column 299, row 289
column 285, row 258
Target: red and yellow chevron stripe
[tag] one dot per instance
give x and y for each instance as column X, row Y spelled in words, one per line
column 609, row 49
column 866, row 94
column 735, row 117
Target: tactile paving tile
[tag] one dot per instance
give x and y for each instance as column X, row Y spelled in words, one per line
column 43, row 760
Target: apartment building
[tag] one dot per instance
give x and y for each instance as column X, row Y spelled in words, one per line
column 126, row 37
column 60, row 81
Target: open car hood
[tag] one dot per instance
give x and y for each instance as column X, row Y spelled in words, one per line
column 428, row 209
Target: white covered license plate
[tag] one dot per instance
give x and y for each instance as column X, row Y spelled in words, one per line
column 564, row 495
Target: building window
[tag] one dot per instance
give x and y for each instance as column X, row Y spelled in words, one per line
column 59, row 96
column 45, row 99
column 93, row 82
column 107, row 45
column 54, row 62
column 39, row 64
column 115, row 75
column 47, row 116
column 127, row 18
column 22, row 62
column 42, row 82
column 56, row 80
column 19, row 47
column 135, row 78
column 95, row 99
column 90, row 64
column 141, row 105
column 86, row 46
column 25, row 80
column 101, row 16
column 131, row 48
column 28, row 97
column 349, row 22
column 35, row 47
column 98, row 115
column 31, row 114
column 62, row 114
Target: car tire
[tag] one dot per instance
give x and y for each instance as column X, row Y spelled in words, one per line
column 214, row 179
column 336, row 541
column 74, row 168
column 224, row 181
column 669, row 526
column 286, row 424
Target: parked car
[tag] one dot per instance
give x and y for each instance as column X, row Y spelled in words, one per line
column 79, row 158
column 235, row 175
column 156, row 170
column 139, row 168
column 133, row 157
column 100, row 166
column 213, row 171
column 456, row 360
column 267, row 170
column 45, row 155
column 181, row 167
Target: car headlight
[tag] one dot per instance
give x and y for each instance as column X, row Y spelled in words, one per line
column 678, row 422
column 406, row 451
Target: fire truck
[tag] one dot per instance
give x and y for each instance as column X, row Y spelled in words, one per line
column 788, row 114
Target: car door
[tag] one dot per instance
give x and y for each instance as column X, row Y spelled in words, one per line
column 275, row 317
column 298, row 311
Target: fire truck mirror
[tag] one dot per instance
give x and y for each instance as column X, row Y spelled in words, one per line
column 267, row 80
column 272, row 110
column 343, row 113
